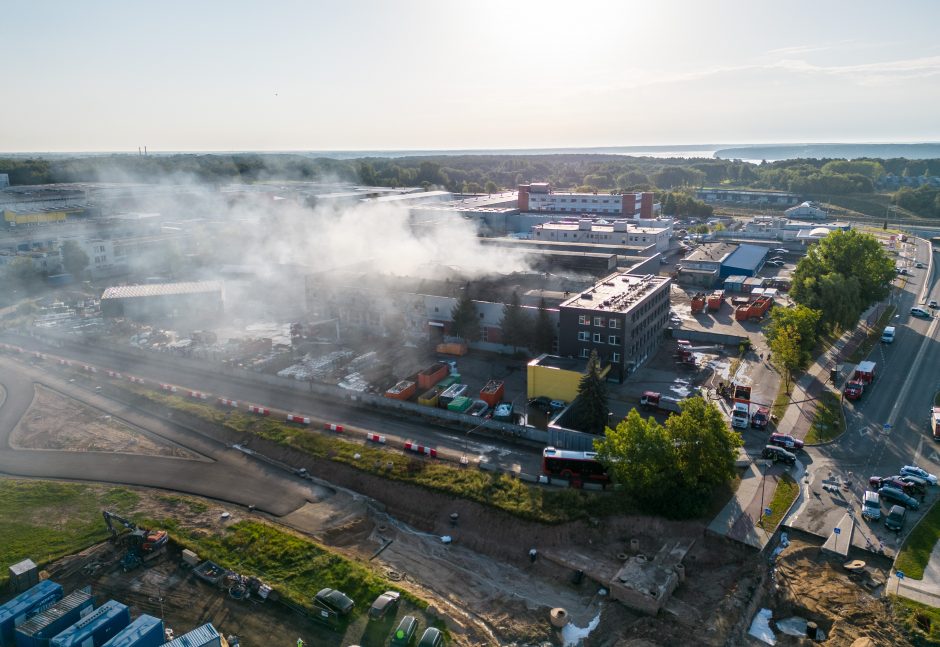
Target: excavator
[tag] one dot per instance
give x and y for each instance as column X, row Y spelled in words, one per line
column 142, row 544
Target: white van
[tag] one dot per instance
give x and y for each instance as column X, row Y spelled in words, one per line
column 888, row 335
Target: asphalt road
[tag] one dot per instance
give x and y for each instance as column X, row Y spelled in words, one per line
column 502, row 453
column 221, row 473
column 888, row 427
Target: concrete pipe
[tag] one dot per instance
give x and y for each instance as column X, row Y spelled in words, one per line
column 680, row 571
column 635, row 545
column 559, row 617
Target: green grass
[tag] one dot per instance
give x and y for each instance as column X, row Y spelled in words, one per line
column 874, row 336
column 828, row 422
column 922, row 622
column 917, row 548
column 786, row 492
column 499, row 491
column 45, row 520
column 779, row 408
column 193, row 505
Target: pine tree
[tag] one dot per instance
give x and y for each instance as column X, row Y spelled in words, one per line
column 544, row 333
column 466, row 321
column 591, row 412
column 515, row 324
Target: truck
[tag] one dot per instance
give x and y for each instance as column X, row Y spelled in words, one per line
column 698, row 302
column 761, row 418
column 715, row 299
column 854, row 389
column 654, row 400
column 935, row 423
column 754, row 310
column 865, row 372
column 741, row 415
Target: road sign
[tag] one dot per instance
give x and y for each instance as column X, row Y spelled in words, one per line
column 838, row 531
column 768, row 512
column 900, row 575
column 887, row 426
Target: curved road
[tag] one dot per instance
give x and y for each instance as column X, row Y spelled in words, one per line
column 220, row 473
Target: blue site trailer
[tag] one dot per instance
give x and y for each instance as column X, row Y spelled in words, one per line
column 96, row 628
column 204, row 636
column 146, row 631
column 25, row 606
column 42, row 627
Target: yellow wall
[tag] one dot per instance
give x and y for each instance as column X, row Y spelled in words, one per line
column 555, row 383
column 30, row 218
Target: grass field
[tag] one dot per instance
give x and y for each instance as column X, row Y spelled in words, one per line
column 920, row 620
column 45, row 520
column 917, row 548
column 787, row 490
column 828, row 422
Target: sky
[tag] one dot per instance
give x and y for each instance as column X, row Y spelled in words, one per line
column 410, row 75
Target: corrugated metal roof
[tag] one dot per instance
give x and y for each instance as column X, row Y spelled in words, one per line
column 136, row 630
column 198, row 637
column 29, row 598
column 747, row 256
column 160, row 289
column 58, row 610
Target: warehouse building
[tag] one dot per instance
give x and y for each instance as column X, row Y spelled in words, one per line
column 745, row 197
column 601, row 231
column 163, row 301
column 621, row 317
column 746, row 260
column 539, row 196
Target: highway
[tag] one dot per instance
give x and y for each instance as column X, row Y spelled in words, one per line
column 888, row 427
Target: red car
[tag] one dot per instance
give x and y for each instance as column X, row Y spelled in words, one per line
column 892, row 481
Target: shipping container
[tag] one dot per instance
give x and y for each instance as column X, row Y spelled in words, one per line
column 96, row 628
column 402, row 391
column 432, row 375
column 25, row 606
column 429, row 397
column 492, row 393
column 24, row 575
column 146, row 631
column 43, row 627
column 460, row 404
column 452, row 379
column 204, row 636
column 453, row 391
column 458, row 349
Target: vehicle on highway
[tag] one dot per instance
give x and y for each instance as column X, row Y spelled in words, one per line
column 897, row 496
column 385, row 604
column 871, row 506
column 920, row 312
column 405, row 631
column 888, row 335
column 775, row 454
column 431, row 638
column 576, row 467
column 786, row 441
column 893, row 481
column 913, row 470
column 895, row 519
column 335, row 601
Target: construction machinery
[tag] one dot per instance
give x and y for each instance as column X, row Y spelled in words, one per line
column 698, row 303
column 142, row 544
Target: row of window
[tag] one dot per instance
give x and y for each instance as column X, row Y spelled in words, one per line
column 613, row 340
column 599, row 322
column 583, row 200
column 614, row 357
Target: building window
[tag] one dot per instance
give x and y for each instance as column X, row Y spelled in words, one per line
column 597, row 338
column 615, row 357
column 613, row 340
column 584, row 336
column 599, row 321
column 481, row 315
column 584, row 320
column 483, row 333
column 614, row 323
column 585, row 352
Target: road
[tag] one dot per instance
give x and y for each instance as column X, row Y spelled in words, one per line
column 888, row 426
column 524, row 457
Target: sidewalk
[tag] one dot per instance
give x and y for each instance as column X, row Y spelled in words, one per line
column 926, row 590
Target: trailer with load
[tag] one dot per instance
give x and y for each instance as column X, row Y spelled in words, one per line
column 654, row 400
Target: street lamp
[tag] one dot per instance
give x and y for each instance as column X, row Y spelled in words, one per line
column 763, row 481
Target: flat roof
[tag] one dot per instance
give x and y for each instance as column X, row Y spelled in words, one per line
column 617, row 293
column 747, row 256
column 563, row 363
column 716, row 252
column 160, row 289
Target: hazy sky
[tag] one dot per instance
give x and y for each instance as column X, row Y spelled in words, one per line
column 346, row 75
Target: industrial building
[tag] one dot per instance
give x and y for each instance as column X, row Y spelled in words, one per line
column 158, row 302
column 599, row 230
column 712, row 262
column 539, row 197
column 557, row 378
column 621, row 317
column 807, row 211
column 747, row 197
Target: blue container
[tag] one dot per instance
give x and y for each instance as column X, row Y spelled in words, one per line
column 96, row 628
column 39, row 630
column 146, row 631
column 204, row 636
column 25, row 606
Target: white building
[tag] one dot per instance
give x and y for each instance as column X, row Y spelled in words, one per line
column 807, row 210
column 600, row 231
column 539, row 197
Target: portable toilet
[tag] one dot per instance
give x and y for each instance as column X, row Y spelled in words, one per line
column 43, row 627
column 96, row 628
column 146, row 631
column 25, row 606
column 24, row 575
column 204, row 636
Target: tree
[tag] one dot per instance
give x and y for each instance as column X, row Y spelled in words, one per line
column 786, row 346
column 802, row 322
column 706, row 447
column 638, row 454
column 544, row 333
column 74, row 259
column 466, row 321
column 490, row 187
column 591, row 412
column 515, row 324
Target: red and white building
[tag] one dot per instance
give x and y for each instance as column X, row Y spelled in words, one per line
column 539, row 197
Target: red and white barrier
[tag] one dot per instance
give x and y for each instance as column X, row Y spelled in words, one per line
column 331, row 427
column 300, row 420
column 198, row 395
column 38, row 355
column 89, row 369
column 114, row 374
column 168, row 387
column 261, row 411
column 64, row 362
column 135, row 380
column 225, row 402
column 421, row 449
column 375, row 438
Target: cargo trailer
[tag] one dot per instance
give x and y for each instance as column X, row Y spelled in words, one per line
column 432, row 375
column 43, row 627
column 96, row 628
column 146, row 631
column 204, row 636
column 25, row 606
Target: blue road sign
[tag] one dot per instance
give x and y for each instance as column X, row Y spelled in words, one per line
column 887, row 426
column 768, row 511
column 900, row 575
column 838, row 531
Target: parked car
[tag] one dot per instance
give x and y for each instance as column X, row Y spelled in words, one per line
column 385, row 604
column 913, row 470
column 933, row 304
column 558, row 404
column 871, row 506
column 892, row 481
column 920, row 312
column 404, row 632
column 897, row 496
column 776, row 263
column 775, row 453
column 786, row 441
column 336, row 601
column 780, row 250
column 895, row 519
column 431, row 638
column 920, row 485
column 919, row 265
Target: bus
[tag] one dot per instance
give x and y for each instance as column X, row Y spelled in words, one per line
column 576, row 467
